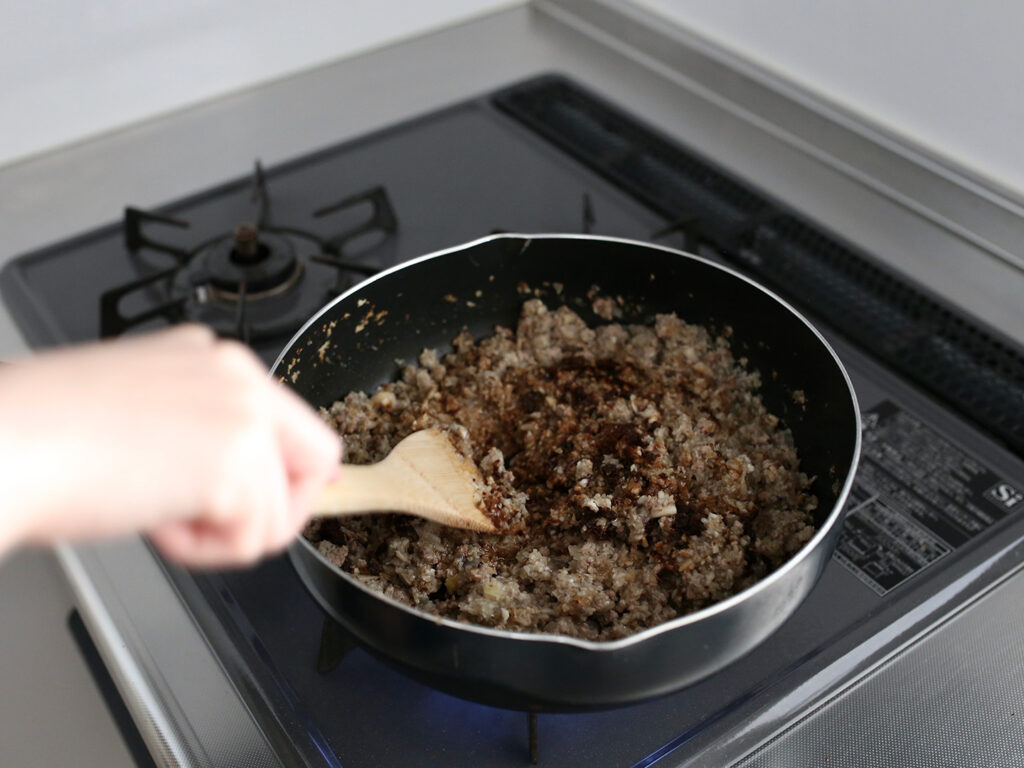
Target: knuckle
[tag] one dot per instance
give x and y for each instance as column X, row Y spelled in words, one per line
column 222, row 502
column 287, row 532
column 194, row 333
column 232, row 357
column 326, row 456
column 329, row 444
column 277, row 542
column 250, row 549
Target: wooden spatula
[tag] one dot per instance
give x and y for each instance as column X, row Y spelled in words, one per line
column 423, row 475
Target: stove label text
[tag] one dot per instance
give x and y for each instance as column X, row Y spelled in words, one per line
column 917, row 497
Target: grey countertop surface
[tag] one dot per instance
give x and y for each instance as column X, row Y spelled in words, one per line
column 50, row 712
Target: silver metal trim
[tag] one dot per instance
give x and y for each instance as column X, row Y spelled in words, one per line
column 189, row 710
column 157, row 730
column 608, row 645
column 839, row 676
column 974, row 208
column 874, row 656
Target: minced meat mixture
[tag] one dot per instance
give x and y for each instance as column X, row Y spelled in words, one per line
column 640, row 478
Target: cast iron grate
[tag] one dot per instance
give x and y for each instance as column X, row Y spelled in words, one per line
column 636, row 159
column 246, row 283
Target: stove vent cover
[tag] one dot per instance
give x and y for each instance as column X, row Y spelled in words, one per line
column 971, row 368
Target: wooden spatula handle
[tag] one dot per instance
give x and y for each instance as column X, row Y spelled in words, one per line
column 359, row 489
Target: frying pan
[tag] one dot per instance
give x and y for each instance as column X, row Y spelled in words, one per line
column 357, row 342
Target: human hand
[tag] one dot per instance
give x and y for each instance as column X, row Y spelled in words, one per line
column 174, row 434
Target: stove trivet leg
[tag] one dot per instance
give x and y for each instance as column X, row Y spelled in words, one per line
column 259, row 195
column 532, row 725
column 687, row 226
column 241, row 323
column 382, row 217
column 335, row 642
column 588, row 214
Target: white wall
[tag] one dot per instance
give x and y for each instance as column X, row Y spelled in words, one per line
column 73, row 69
column 948, row 73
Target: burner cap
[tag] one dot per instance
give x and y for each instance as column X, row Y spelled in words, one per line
column 264, row 261
column 248, row 248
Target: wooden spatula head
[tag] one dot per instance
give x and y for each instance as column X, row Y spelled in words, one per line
column 424, row 475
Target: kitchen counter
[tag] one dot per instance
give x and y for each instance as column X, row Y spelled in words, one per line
column 926, row 219
column 51, row 712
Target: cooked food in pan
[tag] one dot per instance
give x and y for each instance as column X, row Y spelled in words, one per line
column 634, row 475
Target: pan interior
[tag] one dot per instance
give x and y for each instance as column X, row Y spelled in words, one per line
column 364, row 337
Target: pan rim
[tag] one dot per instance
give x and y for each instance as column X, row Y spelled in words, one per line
column 650, row 633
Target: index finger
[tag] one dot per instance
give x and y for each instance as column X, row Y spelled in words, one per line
column 310, row 449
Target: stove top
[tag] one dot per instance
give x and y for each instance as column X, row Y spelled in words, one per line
column 943, row 401
column 315, row 227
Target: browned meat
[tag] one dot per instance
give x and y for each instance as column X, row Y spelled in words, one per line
column 634, row 469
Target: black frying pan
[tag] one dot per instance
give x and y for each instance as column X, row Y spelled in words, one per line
column 354, row 343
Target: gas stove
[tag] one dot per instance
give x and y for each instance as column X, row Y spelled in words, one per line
column 241, row 668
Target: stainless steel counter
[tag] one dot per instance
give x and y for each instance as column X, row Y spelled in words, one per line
column 932, row 220
column 51, row 712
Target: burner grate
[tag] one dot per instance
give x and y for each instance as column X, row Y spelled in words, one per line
column 249, row 283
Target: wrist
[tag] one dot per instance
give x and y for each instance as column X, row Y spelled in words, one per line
column 20, row 465
column 17, row 513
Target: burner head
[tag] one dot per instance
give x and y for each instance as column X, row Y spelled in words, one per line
column 286, row 279
column 248, row 248
column 263, row 261
column 283, row 287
